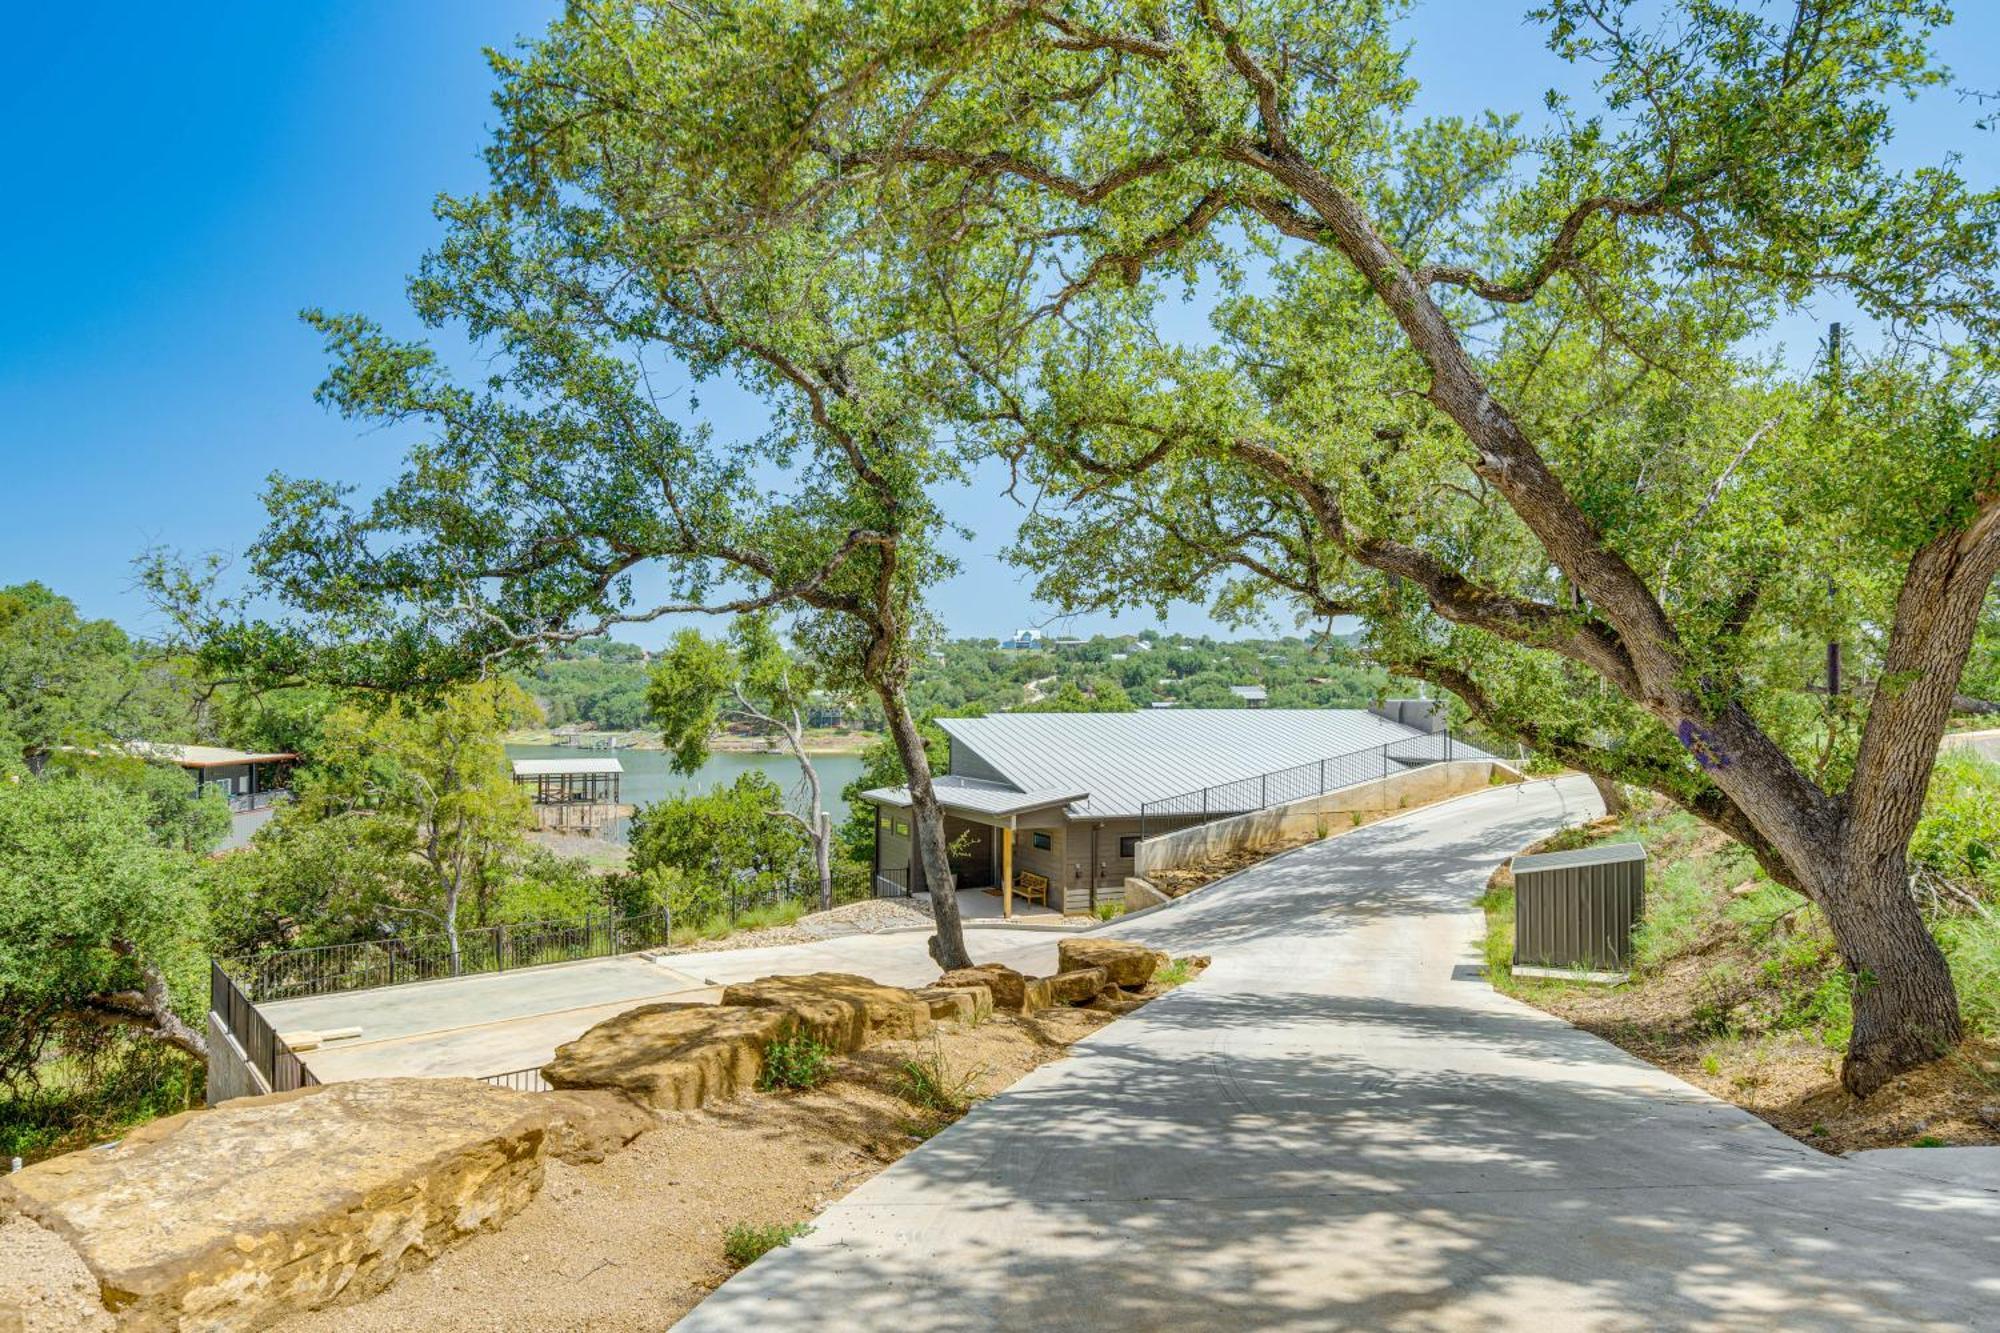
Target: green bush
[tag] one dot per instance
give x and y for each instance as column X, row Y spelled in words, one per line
column 930, row 1081
column 1959, row 834
column 1177, row 972
column 1972, row 943
column 745, row 1242
column 795, row 1062
column 1110, row 911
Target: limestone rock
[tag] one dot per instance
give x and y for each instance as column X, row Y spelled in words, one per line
column 1130, row 965
column 842, row 1011
column 1010, row 989
column 966, row 1005
column 672, row 1057
column 1078, row 987
column 589, row 1126
column 242, row 1215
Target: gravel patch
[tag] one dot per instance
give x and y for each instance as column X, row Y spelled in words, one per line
column 869, row 917
column 44, row 1286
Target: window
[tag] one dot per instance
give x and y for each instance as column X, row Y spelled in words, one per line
column 899, row 828
column 1041, row 841
column 1128, row 846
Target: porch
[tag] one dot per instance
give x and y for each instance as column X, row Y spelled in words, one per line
column 1003, row 846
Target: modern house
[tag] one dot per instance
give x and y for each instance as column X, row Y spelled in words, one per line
column 1253, row 696
column 1051, row 806
column 248, row 781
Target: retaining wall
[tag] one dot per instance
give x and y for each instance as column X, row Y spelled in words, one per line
column 1304, row 817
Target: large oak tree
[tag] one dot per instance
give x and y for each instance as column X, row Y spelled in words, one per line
column 1498, row 390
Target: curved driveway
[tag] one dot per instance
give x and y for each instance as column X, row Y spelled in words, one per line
column 1339, row 1125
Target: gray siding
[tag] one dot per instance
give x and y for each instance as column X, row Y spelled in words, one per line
column 893, row 854
column 1048, row 864
column 1111, row 867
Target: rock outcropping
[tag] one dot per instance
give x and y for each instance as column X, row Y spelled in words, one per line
column 1128, row 965
column 235, row 1217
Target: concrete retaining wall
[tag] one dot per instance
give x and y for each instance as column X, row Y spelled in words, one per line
column 230, row 1073
column 1306, row 816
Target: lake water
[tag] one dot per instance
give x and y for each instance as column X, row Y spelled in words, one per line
column 648, row 776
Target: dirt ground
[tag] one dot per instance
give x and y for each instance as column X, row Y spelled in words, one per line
column 44, row 1287
column 1789, row 1080
column 635, row 1241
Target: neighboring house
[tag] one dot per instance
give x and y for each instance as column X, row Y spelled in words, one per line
column 248, row 781
column 1060, row 795
column 1253, row 696
column 1024, row 640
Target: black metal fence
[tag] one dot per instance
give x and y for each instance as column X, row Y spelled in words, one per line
column 393, row 960
column 281, row 1070
column 1241, row 797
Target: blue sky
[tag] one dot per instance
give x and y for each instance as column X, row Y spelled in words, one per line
column 184, row 179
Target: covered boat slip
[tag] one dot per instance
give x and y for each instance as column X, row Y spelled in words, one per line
column 571, row 793
column 1005, row 844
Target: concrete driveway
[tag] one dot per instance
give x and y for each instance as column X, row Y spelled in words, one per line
column 497, row 1022
column 1341, row 1126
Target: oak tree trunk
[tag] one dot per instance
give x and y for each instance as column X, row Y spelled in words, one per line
column 1905, row 1005
column 1612, row 793
column 947, row 946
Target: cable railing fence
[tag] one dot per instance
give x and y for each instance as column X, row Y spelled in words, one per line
column 390, row 961
column 1226, row 800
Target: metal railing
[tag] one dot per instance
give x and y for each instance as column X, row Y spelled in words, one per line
column 244, row 803
column 892, row 882
column 281, row 1070
column 1226, row 800
column 393, row 960
column 520, row 1080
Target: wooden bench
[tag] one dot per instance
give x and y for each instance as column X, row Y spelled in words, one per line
column 1033, row 887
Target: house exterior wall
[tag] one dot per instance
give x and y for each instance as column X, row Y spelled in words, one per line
column 1112, row 868
column 965, row 764
column 1048, row 864
column 230, row 779
column 892, row 849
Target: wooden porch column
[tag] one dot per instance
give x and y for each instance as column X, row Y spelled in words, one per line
column 1007, row 871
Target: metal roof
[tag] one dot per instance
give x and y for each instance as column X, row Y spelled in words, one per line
column 204, row 756
column 1124, row 760
column 977, row 796
column 1249, row 691
column 1603, row 854
column 529, row 768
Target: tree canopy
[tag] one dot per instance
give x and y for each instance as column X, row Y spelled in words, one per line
column 1497, row 386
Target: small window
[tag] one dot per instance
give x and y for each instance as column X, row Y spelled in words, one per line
column 899, row 828
column 1128, row 846
column 1041, row 841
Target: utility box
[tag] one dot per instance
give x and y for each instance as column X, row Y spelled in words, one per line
column 1574, row 911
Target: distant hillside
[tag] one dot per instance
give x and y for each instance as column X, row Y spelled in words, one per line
column 602, row 683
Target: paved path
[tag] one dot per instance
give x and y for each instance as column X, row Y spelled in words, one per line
column 497, row 1022
column 1340, row 1126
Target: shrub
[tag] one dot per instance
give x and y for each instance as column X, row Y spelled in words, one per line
column 1109, row 911
column 746, row 1242
column 1177, row 972
column 1971, row 942
column 930, row 1081
column 795, row 1062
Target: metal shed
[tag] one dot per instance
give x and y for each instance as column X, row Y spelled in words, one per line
column 1574, row 911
